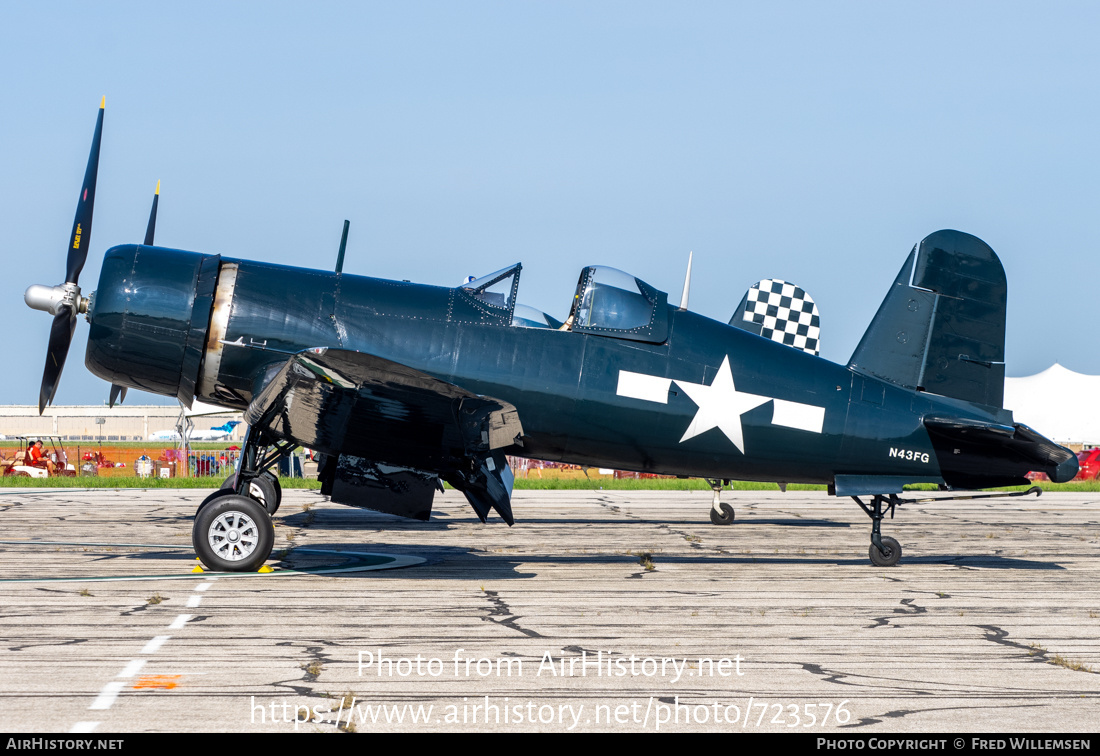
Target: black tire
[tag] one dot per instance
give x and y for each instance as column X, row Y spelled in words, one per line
column 891, row 555
column 726, row 518
column 274, row 480
column 264, row 488
column 233, row 534
column 216, row 495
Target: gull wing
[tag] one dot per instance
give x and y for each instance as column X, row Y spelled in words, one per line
column 380, row 423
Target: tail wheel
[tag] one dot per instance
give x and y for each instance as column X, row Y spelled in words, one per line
column 725, row 517
column 890, row 554
column 233, row 534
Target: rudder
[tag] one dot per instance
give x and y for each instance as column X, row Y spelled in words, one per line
column 941, row 328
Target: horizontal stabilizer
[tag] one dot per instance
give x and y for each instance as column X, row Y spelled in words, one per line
column 970, row 428
column 782, row 312
column 941, row 328
column 979, row 454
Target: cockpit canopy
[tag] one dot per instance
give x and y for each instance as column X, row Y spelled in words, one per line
column 496, row 289
column 614, row 303
column 608, row 302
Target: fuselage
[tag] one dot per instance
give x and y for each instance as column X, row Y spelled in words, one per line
column 221, row 325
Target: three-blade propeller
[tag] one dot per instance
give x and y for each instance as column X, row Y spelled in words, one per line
column 67, row 301
column 64, row 301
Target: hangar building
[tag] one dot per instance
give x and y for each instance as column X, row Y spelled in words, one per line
column 102, row 423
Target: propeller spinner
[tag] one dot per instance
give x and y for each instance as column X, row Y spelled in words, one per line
column 64, row 301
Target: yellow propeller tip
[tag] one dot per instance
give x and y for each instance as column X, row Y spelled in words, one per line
column 158, row 187
column 103, row 102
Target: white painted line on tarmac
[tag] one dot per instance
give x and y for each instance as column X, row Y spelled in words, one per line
column 107, row 696
column 378, row 562
column 132, row 668
column 180, row 621
column 152, row 646
column 111, row 690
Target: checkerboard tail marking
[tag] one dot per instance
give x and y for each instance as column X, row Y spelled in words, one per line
column 782, row 312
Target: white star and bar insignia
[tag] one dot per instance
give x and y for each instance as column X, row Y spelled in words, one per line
column 720, row 404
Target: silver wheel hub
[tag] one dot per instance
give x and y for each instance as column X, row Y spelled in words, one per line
column 233, row 536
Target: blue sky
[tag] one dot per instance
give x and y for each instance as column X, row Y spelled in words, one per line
column 815, row 142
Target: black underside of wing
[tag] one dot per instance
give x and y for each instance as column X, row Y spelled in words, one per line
column 377, row 419
column 341, row 402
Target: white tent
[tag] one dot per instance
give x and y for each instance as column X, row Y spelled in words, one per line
column 1062, row 405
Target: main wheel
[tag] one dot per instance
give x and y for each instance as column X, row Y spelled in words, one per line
column 887, row 558
column 725, row 518
column 233, row 534
column 216, row 495
column 264, row 488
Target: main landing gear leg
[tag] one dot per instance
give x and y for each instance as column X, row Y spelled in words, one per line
column 254, row 478
column 884, row 551
column 233, row 530
column 720, row 513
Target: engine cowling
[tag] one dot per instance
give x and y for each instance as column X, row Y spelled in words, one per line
column 149, row 318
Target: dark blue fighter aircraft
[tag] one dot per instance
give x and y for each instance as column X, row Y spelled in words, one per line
column 401, row 386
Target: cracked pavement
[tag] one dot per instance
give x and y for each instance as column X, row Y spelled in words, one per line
column 990, row 623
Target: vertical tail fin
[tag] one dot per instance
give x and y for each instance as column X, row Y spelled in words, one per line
column 941, row 328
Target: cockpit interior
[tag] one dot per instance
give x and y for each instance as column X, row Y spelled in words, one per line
column 607, row 301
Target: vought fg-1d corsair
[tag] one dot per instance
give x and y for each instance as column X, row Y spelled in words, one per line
column 401, row 386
